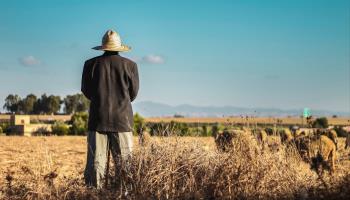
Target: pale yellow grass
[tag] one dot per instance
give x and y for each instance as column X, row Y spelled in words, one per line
column 172, row 167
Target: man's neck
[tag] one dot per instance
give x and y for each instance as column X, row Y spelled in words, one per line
column 111, row 53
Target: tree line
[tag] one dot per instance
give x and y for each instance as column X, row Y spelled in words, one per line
column 46, row 104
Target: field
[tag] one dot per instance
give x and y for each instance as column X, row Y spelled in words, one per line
column 344, row 121
column 169, row 168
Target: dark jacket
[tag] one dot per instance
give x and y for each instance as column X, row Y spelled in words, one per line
column 111, row 83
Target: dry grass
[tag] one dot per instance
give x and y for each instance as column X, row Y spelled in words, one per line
column 168, row 168
column 344, row 121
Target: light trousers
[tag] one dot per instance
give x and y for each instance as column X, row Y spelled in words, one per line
column 99, row 145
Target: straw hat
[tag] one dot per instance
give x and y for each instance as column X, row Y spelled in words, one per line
column 111, row 42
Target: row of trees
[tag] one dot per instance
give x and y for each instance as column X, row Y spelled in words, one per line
column 46, row 104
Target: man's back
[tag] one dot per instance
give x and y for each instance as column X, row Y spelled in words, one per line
column 111, row 82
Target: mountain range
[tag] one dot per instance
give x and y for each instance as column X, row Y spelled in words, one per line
column 154, row 109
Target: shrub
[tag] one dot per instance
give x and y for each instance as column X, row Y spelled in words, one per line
column 320, row 123
column 139, row 123
column 179, row 128
column 60, row 128
column 193, row 131
column 5, row 127
column 216, row 128
column 269, row 130
column 205, row 131
column 167, row 129
column 157, row 129
column 340, row 132
column 167, row 170
column 42, row 131
column 79, row 123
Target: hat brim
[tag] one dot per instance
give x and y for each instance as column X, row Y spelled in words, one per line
column 121, row 48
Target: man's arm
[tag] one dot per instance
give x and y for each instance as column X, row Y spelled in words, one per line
column 86, row 81
column 134, row 83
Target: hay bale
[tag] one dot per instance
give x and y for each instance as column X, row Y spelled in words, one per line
column 318, row 150
column 224, row 139
column 322, row 151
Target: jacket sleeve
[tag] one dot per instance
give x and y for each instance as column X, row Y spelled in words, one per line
column 134, row 83
column 86, row 79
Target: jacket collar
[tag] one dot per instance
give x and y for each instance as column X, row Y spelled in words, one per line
column 108, row 53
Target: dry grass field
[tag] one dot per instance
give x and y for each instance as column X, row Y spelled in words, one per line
column 344, row 121
column 169, row 168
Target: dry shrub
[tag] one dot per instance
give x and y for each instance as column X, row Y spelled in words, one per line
column 188, row 168
column 179, row 169
column 168, row 170
column 247, row 172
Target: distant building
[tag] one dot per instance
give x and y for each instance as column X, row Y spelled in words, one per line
column 20, row 125
column 20, row 119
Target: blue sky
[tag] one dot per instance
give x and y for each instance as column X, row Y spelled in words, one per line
column 276, row 54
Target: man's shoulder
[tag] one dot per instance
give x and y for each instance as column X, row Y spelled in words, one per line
column 127, row 60
column 91, row 60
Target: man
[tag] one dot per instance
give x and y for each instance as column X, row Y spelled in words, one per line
column 111, row 83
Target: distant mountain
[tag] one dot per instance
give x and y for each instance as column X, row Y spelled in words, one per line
column 153, row 109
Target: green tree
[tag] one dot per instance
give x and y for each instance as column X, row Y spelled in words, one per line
column 76, row 103
column 26, row 105
column 47, row 104
column 12, row 103
column 53, row 104
column 38, row 105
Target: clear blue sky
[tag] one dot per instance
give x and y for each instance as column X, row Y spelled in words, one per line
column 279, row 54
